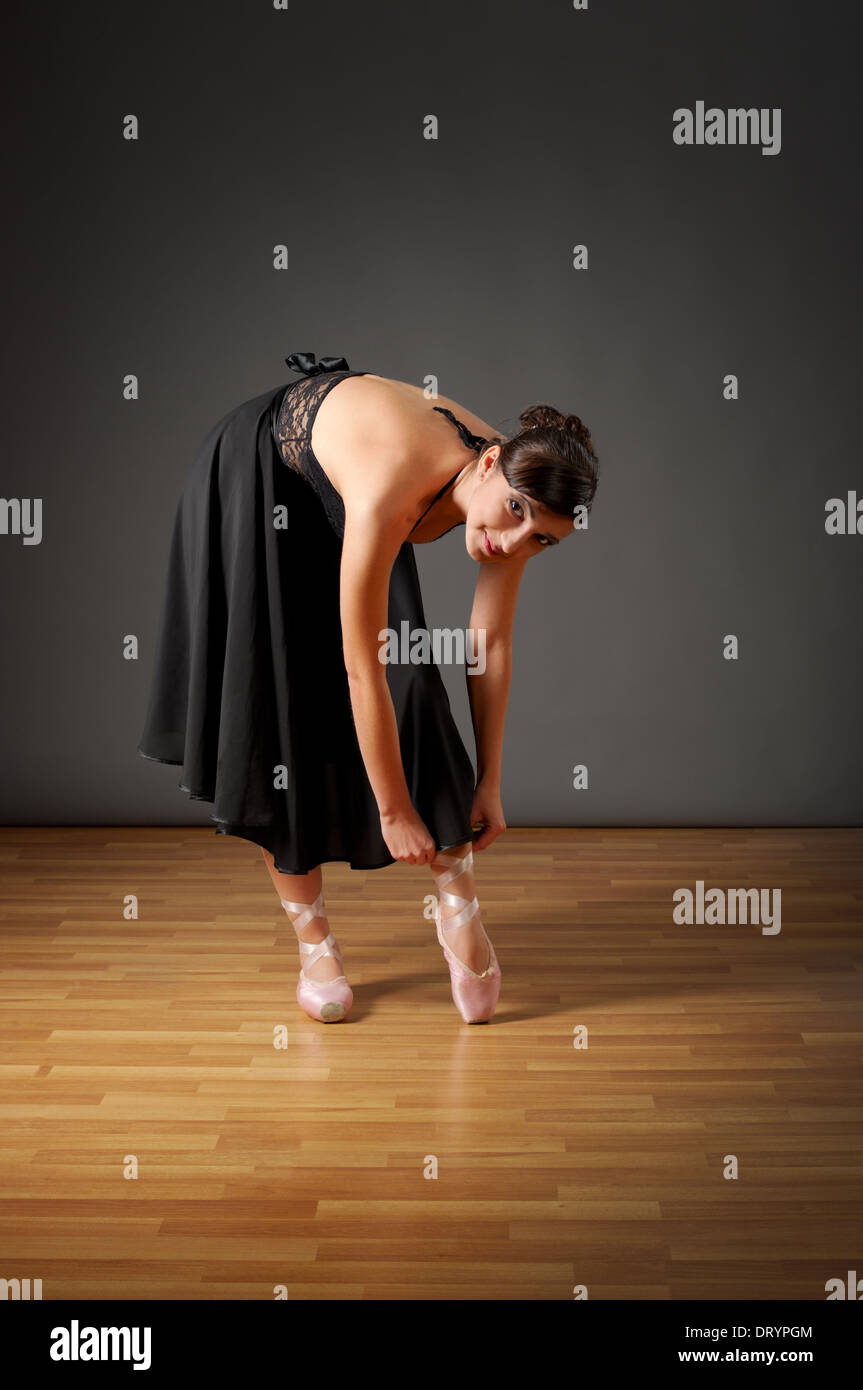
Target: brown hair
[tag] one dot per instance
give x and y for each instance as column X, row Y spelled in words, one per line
column 551, row 459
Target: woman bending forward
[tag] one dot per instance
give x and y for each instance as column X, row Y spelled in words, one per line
column 292, row 555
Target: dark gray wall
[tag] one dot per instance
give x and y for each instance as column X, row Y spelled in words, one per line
column 453, row 257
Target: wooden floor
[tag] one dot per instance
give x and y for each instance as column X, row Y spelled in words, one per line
column 556, row 1166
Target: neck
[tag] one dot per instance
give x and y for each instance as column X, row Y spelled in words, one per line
column 453, row 507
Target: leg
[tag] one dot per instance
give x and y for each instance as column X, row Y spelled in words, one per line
column 468, row 942
column 304, row 888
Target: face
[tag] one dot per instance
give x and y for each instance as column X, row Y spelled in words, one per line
column 503, row 523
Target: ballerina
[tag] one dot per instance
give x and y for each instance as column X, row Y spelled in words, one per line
column 270, row 688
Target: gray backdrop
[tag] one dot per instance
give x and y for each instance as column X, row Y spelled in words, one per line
column 454, row 257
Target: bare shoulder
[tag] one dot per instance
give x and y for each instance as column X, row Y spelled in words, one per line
column 380, row 440
column 416, row 405
column 365, row 436
column 474, row 422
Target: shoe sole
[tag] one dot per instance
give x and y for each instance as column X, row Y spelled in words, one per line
column 333, row 1012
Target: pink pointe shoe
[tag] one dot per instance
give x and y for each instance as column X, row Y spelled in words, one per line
column 475, row 996
column 328, row 1001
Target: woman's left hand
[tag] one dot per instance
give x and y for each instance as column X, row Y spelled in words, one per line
column 487, row 813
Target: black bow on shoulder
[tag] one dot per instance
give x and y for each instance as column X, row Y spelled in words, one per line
column 305, row 362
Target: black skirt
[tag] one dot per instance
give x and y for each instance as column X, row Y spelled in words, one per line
column 249, row 692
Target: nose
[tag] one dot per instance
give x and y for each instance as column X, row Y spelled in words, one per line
column 514, row 538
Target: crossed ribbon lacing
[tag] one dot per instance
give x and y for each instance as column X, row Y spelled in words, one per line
column 313, row 949
column 471, row 905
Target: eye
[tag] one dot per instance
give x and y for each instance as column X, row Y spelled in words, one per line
column 543, row 540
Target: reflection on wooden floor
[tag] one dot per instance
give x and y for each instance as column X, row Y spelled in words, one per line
column 557, row 1166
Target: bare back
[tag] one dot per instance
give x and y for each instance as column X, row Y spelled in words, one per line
column 379, row 437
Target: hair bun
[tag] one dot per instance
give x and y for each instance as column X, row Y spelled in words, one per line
column 540, row 417
column 577, row 427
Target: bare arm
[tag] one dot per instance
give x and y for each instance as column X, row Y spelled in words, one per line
column 492, row 620
column 488, row 694
column 373, row 537
column 371, row 542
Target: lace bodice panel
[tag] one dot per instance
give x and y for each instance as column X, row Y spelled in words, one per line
column 293, row 432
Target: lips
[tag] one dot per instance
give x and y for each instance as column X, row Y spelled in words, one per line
column 490, row 549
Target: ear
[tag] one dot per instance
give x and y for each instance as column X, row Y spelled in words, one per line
column 489, row 460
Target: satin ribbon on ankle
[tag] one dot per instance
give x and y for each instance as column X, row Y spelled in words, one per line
column 474, row 995
column 471, row 905
column 308, row 911
column 315, row 950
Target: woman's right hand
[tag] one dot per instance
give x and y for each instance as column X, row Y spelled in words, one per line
column 407, row 838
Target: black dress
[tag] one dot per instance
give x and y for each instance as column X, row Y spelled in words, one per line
column 249, row 692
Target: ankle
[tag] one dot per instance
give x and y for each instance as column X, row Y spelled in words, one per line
column 458, row 911
column 310, row 931
column 313, row 931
